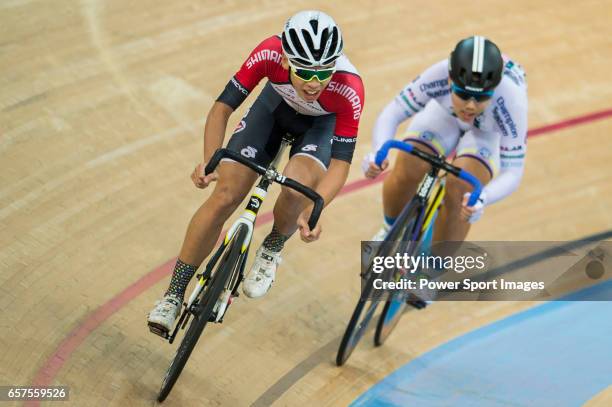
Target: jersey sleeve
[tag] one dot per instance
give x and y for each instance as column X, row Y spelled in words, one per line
column 510, row 114
column 351, row 97
column 258, row 65
column 432, row 83
column 387, row 123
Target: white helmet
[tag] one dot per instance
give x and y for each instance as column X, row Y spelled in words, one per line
column 312, row 38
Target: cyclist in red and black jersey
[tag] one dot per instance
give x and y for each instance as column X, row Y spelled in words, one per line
column 313, row 93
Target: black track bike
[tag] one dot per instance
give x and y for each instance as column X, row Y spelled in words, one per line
column 411, row 234
column 218, row 284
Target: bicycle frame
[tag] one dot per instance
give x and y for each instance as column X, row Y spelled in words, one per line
column 429, row 206
column 215, row 291
column 411, row 230
column 247, row 218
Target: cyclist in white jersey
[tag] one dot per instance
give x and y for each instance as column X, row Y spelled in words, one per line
column 474, row 105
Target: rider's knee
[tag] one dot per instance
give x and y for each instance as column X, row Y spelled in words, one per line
column 455, row 189
column 225, row 200
column 408, row 169
column 289, row 195
column 409, row 173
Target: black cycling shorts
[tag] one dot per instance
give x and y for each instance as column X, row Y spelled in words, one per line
column 258, row 135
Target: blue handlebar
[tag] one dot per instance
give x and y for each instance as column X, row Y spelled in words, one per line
column 472, row 180
column 381, row 155
column 384, row 150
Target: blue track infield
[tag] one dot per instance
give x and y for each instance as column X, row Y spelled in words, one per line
column 555, row 354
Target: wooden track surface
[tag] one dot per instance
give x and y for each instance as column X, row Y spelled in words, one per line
column 102, row 106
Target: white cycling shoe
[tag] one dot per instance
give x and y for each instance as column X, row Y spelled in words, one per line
column 162, row 317
column 381, row 234
column 261, row 276
column 367, row 249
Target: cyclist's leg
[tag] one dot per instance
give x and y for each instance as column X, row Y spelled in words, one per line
column 401, row 183
column 432, row 130
column 309, row 158
column 234, row 183
column 478, row 153
column 254, row 139
column 290, row 203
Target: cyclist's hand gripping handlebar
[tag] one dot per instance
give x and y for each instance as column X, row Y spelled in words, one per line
column 435, row 161
column 279, row 178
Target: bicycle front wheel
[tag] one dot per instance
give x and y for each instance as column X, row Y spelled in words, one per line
column 389, row 317
column 360, row 320
column 229, row 263
column 356, row 327
column 396, row 303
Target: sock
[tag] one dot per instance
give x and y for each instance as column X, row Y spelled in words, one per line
column 275, row 241
column 180, row 279
column 388, row 222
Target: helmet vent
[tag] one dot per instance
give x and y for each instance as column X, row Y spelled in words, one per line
column 285, row 43
column 334, row 42
column 310, row 45
column 296, row 43
column 315, row 25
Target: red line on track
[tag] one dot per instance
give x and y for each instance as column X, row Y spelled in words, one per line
column 570, row 123
column 47, row 373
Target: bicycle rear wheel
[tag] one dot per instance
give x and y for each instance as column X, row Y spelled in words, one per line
column 359, row 321
column 229, row 263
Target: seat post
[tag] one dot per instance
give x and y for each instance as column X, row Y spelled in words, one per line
column 287, row 140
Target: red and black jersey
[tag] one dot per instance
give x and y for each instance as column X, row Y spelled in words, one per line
column 343, row 96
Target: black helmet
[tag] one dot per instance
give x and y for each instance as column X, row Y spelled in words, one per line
column 476, row 64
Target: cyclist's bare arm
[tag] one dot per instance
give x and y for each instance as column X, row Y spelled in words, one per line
column 214, row 130
column 214, row 133
column 328, row 188
column 333, row 180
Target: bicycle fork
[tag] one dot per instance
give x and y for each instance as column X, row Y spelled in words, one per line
column 248, row 219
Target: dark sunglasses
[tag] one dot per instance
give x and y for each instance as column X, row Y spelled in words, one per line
column 308, row 75
column 467, row 95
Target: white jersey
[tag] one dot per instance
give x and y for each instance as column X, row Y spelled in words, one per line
column 505, row 119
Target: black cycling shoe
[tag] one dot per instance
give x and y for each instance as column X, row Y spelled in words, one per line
column 418, row 304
